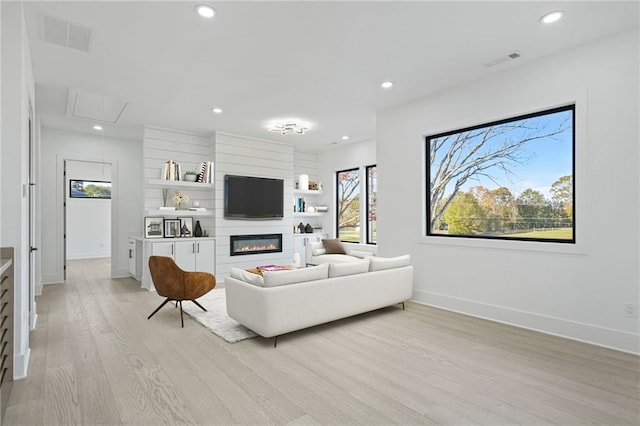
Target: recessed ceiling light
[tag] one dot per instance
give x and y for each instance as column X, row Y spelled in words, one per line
column 205, row 11
column 97, row 127
column 551, row 17
column 386, row 84
column 345, row 138
column 216, row 110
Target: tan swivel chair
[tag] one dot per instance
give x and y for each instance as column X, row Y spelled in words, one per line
column 178, row 285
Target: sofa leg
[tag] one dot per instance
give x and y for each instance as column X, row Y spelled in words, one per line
column 403, row 306
column 275, row 341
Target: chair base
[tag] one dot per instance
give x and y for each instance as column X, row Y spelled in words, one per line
column 178, row 302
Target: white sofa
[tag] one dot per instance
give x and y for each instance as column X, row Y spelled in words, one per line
column 316, row 253
column 286, row 301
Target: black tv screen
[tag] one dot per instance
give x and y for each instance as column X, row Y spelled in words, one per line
column 247, row 197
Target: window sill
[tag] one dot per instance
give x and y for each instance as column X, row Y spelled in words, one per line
column 576, row 249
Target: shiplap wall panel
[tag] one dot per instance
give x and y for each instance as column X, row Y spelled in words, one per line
column 305, row 163
column 237, row 155
column 187, row 149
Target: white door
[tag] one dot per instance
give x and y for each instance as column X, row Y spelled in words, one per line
column 206, row 256
column 185, row 255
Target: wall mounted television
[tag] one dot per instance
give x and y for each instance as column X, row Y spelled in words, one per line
column 247, row 197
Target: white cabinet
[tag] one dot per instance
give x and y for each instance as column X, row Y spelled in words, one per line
column 300, row 242
column 190, row 254
column 135, row 258
column 196, row 255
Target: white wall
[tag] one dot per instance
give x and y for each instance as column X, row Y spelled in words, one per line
column 342, row 157
column 578, row 292
column 239, row 155
column 17, row 96
column 125, row 157
column 88, row 219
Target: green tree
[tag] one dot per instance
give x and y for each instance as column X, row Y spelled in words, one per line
column 532, row 208
column 562, row 194
column 464, row 215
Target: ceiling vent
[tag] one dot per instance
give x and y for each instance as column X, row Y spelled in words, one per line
column 66, row 34
column 502, row 59
column 94, row 107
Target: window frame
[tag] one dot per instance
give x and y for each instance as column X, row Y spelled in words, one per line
column 337, row 201
column 427, row 144
column 367, row 212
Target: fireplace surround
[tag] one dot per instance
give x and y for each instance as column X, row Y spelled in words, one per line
column 255, row 244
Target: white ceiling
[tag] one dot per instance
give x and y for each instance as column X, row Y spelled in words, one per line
column 319, row 62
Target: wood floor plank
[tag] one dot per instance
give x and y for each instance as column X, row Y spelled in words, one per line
column 96, row 359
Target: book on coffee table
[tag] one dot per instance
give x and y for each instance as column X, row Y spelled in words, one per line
column 273, row 267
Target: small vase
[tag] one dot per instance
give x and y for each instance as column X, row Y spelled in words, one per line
column 197, row 231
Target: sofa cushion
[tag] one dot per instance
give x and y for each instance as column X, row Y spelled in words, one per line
column 312, row 273
column 246, row 276
column 334, row 246
column 382, row 263
column 360, row 253
column 348, row 268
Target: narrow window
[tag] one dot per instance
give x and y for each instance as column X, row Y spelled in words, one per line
column 372, row 202
column 511, row 179
column 348, row 205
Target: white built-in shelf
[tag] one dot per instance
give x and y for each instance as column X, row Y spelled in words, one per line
column 177, row 213
column 307, row 192
column 308, row 214
column 179, row 184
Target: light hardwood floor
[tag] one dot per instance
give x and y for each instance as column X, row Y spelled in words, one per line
column 96, row 359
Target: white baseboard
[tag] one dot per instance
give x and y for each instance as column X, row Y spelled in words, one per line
column 80, row 256
column 582, row 332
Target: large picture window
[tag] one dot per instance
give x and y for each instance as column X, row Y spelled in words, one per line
column 348, row 205
column 511, row 179
column 372, row 203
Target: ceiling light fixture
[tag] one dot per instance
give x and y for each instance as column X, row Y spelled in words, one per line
column 205, row 11
column 345, row 138
column 552, row 17
column 289, row 128
column 386, row 84
column 216, row 110
column 97, row 127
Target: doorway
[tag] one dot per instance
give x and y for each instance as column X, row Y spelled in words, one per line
column 87, row 210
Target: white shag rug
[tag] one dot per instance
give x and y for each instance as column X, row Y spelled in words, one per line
column 216, row 318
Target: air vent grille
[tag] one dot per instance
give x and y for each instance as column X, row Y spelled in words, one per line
column 65, row 34
column 502, row 59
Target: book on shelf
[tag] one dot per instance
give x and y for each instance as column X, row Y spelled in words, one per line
column 206, row 172
column 172, row 171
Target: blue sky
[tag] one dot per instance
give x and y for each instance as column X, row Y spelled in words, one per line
column 547, row 159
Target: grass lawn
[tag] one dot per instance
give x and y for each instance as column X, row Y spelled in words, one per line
column 559, row 233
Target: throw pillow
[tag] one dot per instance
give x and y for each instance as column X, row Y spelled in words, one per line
column 319, row 251
column 248, row 277
column 348, row 268
column 312, row 273
column 382, row 263
column 334, row 246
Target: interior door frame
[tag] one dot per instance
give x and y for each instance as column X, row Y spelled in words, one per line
column 62, row 198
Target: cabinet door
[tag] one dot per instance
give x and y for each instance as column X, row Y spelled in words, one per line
column 164, row 248
column 186, row 255
column 206, row 256
column 299, row 246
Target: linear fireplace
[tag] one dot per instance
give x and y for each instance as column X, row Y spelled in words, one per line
column 255, row 244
